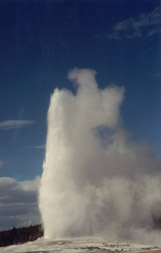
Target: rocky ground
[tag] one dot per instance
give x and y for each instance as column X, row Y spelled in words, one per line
column 79, row 245
column 31, row 240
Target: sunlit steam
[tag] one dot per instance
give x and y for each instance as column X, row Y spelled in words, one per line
column 96, row 180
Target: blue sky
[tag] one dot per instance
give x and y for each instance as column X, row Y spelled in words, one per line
column 42, row 40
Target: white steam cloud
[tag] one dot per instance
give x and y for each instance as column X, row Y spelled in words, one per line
column 96, row 180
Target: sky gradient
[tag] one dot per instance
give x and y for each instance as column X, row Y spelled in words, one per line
column 42, row 40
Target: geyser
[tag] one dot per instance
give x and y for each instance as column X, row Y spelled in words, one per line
column 96, row 180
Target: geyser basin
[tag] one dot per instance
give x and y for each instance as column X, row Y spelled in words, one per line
column 96, row 180
column 80, row 245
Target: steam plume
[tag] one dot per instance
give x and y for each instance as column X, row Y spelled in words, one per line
column 96, row 180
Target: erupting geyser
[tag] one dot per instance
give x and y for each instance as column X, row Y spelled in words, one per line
column 96, row 180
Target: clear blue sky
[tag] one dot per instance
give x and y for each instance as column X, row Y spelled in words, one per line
column 41, row 40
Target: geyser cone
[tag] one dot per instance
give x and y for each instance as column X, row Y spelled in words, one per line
column 95, row 179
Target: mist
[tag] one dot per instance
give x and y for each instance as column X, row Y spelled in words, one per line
column 97, row 179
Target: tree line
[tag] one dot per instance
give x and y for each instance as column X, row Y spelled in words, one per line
column 20, row 235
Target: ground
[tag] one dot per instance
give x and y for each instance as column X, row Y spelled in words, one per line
column 79, row 245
